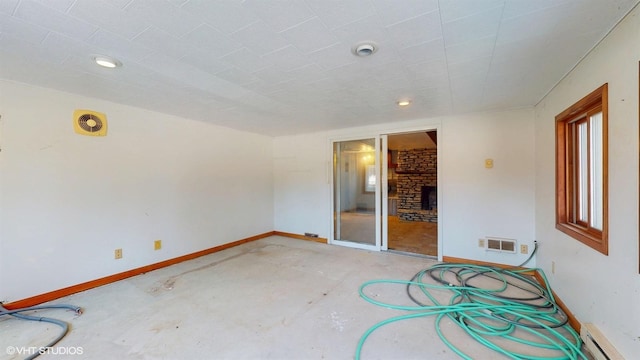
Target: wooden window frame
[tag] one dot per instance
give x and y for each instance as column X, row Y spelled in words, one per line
column 565, row 170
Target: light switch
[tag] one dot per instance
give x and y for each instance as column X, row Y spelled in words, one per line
column 488, row 163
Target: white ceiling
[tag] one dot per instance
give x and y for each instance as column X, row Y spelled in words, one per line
column 281, row 67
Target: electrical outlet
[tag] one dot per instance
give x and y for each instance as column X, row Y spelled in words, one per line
column 157, row 245
column 481, row 243
column 524, row 249
column 118, row 254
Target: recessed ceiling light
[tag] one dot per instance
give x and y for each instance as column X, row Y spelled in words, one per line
column 364, row 49
column 403, row 103
column 107, row 62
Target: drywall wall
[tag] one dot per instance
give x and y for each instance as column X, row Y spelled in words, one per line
column 601, row 289
column 68, row 201
column 301, row 184
column 475, row 202
column 480, row 202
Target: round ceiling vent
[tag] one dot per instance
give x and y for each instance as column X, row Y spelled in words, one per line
column 90, row 122
column 364, row 49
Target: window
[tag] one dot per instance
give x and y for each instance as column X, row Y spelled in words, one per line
column 581, row 170
column 370, row 179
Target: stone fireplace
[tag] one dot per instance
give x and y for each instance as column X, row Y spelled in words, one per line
column 417, row 185
column 429, row 198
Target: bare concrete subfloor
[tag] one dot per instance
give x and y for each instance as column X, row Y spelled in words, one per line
column 275, row 298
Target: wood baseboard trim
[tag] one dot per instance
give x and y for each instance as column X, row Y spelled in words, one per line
column 300, row 237
column 56, row 294
column 573, row 321
column 450, row 259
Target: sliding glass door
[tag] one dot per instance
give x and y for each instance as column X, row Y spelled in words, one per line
column 356, row 193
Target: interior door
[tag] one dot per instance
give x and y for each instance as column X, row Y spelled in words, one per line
column 356, row 193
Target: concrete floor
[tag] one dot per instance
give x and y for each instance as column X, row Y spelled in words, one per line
column 275, row 298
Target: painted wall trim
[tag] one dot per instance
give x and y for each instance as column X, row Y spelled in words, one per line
column 56, row 294
column 573, row 321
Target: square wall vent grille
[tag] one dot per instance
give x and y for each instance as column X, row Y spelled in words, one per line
column 501, row 245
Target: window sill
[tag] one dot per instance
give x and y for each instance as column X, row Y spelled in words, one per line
column 596, row 242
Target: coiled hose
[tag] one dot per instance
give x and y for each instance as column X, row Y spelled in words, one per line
column 511, row 307
column 17, row 313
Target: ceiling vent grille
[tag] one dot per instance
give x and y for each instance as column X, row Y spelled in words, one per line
column 91, row 123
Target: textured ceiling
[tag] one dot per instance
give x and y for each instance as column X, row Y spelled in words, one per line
column 283, row 67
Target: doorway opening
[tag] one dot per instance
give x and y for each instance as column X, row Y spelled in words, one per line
column 412, row 193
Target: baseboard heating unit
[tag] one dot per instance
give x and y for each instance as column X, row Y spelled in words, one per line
column 597, row 344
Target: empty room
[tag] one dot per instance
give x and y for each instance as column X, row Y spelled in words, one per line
column 314, row 179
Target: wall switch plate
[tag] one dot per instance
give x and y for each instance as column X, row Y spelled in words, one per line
column 157, row 245
column 481, row 243
column 118, row 254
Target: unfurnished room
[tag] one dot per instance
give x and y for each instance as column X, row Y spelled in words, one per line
column 320, row 179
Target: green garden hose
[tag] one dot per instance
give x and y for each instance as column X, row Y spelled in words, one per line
column 510, row 306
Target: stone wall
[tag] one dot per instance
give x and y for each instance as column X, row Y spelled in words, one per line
column 416, row 168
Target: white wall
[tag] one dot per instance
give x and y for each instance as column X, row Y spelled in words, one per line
column 301, row 184
column 67, row 201
column 480, row 202
column 475, row 202
column 601, row 289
